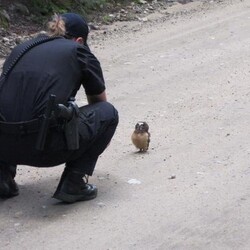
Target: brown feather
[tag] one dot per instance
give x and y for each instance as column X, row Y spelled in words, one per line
column 141, row 140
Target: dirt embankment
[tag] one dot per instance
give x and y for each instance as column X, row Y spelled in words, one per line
column 22, row 24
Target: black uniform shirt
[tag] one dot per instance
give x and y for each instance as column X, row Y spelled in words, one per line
column 56, row 67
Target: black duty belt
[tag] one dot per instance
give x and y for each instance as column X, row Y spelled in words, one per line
column 20, row 128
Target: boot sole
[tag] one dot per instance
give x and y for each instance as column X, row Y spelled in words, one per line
column 68, row 198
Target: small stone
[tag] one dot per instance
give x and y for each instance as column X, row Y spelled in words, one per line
column 5, row 40
column 18, row 214
column 101, row 178
column 134, row 181
column 144, row 19
column 172, row 177
column 18, row 40
column 101, row 204
column 93, row 27
column 142, row 2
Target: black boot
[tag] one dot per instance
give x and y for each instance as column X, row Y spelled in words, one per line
column 73, row 187
column 8, row 186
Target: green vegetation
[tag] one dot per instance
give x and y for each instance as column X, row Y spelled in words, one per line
column 45, row 7
column 51, row 6
column 3, row 20
column 106, row 19
column 40, row 10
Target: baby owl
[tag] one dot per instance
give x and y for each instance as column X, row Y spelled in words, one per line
column 141, row 136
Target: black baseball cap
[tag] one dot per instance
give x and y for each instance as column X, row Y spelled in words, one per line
column 76, row 25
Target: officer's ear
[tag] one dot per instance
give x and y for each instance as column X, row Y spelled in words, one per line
column 80, row 40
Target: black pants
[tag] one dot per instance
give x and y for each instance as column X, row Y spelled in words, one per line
column 97, row 125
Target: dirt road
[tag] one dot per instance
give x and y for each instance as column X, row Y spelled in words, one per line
column 188, row 78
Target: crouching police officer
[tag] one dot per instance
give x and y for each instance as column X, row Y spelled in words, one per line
column 40, row 124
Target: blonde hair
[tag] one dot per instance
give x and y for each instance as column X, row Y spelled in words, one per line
column 56, row 27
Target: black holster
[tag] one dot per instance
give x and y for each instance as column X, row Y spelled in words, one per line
column 68, row 115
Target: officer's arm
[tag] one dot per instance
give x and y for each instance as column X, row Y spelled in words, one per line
column 93, row 81
column 97, row 98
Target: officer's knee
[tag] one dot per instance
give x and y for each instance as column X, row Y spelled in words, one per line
column 108, row 108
